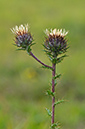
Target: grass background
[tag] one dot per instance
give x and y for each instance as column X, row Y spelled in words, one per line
column 23, row 83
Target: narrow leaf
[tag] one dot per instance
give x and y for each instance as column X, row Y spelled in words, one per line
column 59, row 102
column 31, row 44
column 47, row 67
column 29, row 49
column 49, row 112
column 49, row 92
column 57, row 76
column 55, row 82
column 50, row 58
column 55, row 125
column 14, row 44
column 60, row 58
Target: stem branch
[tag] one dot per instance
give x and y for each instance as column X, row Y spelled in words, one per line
column 39, row 60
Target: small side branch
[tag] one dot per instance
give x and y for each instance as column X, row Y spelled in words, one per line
column 39, row 60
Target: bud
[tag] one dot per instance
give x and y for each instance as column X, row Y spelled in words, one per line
column 55, row 42
column 23, row 37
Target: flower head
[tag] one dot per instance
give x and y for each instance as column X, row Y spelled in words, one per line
column 23, row 37
column 56, row 42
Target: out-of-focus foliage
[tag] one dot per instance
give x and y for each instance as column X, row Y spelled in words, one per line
column 23, row 83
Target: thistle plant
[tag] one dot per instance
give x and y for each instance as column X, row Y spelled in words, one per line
column 55, row 47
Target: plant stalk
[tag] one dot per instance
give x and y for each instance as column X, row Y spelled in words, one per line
column 53, row 90
column 39, row 60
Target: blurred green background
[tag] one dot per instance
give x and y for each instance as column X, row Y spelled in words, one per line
column 23, row 83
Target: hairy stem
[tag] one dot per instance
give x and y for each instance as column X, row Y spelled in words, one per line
column 53, row 90
column 39, row 60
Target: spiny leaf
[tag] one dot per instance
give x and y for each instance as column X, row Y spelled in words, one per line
column 29, row 49
column 49, row 112
column 57, row 76
column 66, row 49
column 60, row 58
column 32, row 44
column 50, row 58
column 14, row 44
column 45, row 67
column 60, row 52
column 44, row 50
column 59, row 102
column 45, row 47
column 55, row 82
column 49, row 92
column 55, row 125
column 49, row 54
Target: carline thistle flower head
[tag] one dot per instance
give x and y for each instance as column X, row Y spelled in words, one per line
column 23, row 37
column 55, row 42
